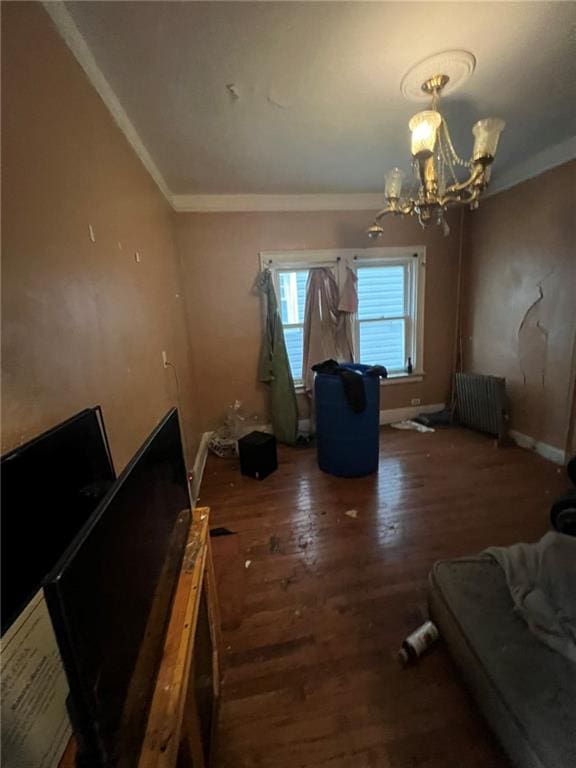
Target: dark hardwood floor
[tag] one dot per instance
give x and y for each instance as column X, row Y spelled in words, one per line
column 312, row 626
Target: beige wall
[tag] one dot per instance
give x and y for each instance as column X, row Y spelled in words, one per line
column 219, row 254
column 83, row 323
column 519, row 241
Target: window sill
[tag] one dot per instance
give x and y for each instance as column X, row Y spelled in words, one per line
column 402, row 378
column 394, row 378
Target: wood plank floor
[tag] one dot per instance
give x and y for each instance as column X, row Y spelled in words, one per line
column 314, row 622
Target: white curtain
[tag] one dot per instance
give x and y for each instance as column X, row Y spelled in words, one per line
column 327, row 320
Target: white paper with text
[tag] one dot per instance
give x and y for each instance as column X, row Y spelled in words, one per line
column 35, row 723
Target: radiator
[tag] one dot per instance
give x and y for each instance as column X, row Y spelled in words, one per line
column 481, row 403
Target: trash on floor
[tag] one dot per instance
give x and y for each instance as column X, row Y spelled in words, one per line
column 409, row 424
column 304, row 440
column 222, row 532
column 222, row 446
column 418, row 642
column 441, row 418
column 224, row 441
column 288, row 582
column 247, row 563
column 353, row 513
column 274, row 546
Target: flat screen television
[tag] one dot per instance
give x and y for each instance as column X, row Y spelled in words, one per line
column 49, row 488
column 110, row 596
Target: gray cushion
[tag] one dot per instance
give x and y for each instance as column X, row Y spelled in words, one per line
column 526, row 691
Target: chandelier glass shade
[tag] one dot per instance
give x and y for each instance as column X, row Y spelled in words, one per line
column 424, row 127
column 435, row 163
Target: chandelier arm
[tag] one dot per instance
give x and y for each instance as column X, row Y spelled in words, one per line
column 403, row 207
column 382, row 213
column 474, row 176
column 459, row 199
column 406, row 208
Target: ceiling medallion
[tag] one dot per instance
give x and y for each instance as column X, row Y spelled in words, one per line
column 434, row 158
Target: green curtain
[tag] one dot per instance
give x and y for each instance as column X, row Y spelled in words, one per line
column 274, row 367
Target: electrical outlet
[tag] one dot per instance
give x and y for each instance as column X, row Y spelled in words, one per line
column 164, row 358
column 415, row 401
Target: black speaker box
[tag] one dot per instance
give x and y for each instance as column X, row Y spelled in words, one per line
column 257, row 455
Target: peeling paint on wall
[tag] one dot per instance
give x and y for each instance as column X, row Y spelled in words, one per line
column 533, row 339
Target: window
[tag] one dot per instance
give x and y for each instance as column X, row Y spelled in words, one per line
column 383, row 316
column 291, row 287
column 388, row 326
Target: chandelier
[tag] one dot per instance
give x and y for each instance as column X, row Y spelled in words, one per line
column 435, row 163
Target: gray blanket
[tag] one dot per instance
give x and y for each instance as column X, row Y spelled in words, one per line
column 542, row 582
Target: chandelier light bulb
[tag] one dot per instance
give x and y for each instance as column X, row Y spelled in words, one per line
column 394, row 179
column 424, row 126
column 486, row 134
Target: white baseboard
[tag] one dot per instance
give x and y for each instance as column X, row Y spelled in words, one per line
column 392, row 415
column 198, row 468
column 545, row 450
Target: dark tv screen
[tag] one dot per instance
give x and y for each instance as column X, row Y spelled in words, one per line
column 110, row 596
column 50, row 487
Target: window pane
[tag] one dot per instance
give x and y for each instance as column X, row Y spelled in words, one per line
column 301, row 280
column 292, row 295
column 381, row 292
column 294, row 346
column 382, row 343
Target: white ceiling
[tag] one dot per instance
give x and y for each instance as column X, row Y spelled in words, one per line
column 316, row 104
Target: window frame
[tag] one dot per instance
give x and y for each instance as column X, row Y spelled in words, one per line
column 411, row 313
column 276, row 282
column 413, row 258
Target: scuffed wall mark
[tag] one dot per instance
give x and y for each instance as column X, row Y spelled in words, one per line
column 278, row 101
column 233, row 91
column 544, row 335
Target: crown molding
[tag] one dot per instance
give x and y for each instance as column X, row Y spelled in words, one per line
column 72, row 36
column 548, row 158
column 269, row 203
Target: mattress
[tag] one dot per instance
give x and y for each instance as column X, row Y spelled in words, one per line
column 526, row 691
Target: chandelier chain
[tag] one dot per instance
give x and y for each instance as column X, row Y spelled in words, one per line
column 456, row 158
column 446, row 157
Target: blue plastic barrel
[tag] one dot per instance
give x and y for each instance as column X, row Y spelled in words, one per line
column 347, row 442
